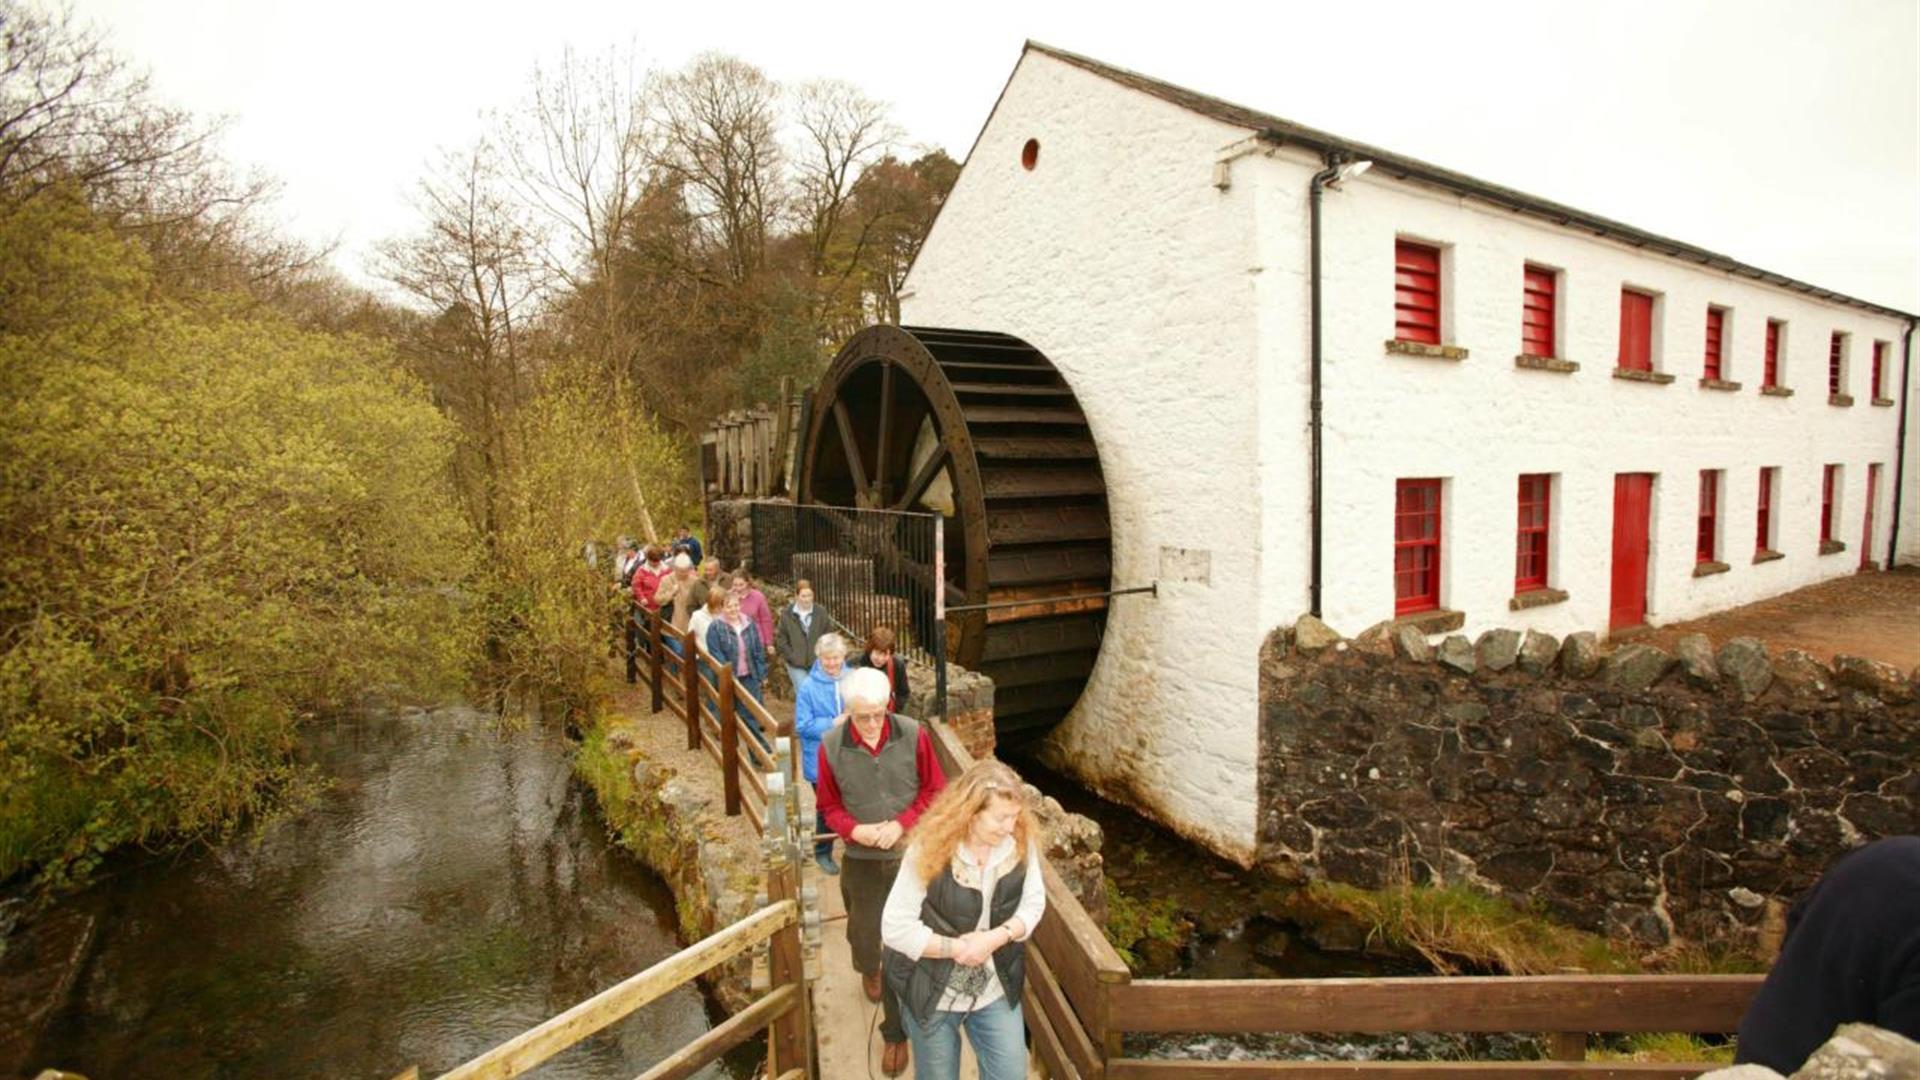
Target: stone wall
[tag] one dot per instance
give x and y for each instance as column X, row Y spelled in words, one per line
column 1629, row 792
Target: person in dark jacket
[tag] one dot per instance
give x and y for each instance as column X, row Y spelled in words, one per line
column 881, row 657
column 799, row 627
column 877, row 774
column 1851, row 954
column 957, row 921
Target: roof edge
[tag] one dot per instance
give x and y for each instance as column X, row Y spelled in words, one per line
column 1284, row 132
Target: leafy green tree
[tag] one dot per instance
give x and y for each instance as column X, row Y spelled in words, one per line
column 212, row 523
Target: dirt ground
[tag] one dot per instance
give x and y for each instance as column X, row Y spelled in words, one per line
column 1872, row 615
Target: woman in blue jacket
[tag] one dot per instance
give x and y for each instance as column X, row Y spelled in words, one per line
column 735, row 641
column 817, row 706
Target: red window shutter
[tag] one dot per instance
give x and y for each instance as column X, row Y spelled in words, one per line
column 1709, row 515
column 1771, row 376
column 1826, row 503
column 1536, row 313
column 1636, row 331
column 1763, row 528
column 1416, row 298
column 1879, row 369
column 1716, row 323
column 1833, row 363
column 1416, row 546
column 1530, row 558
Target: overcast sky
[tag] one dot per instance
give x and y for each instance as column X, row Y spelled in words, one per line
column 1785, row 133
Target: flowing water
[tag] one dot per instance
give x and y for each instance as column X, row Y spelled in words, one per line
column 453, row 888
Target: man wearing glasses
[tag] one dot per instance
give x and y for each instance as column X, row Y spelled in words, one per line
column 878, row 772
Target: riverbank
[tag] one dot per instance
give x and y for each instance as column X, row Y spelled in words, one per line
column 663, row 804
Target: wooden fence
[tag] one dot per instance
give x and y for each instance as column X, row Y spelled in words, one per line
column 752, row 453
column 1080, row 1000
column 713, row 705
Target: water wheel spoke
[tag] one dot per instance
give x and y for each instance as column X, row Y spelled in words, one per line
column 880, row 439
column 852, row 448
column 923, row 479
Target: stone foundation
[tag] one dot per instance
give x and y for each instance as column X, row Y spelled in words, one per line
column 1632, row 792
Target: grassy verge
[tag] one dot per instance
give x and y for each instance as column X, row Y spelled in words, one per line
column 1456, row 929
column 1664, row 1047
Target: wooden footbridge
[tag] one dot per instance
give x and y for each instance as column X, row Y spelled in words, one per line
column 1081, row 1003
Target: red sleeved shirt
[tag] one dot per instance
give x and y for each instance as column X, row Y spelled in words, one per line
column 646, row 582
column 826, row 791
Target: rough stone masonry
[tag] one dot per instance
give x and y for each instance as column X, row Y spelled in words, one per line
column 1631, row 792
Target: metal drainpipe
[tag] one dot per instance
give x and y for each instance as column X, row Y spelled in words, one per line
column 1900, row 441
column 1313, row 400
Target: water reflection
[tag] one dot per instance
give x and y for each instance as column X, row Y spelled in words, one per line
column 452, row 889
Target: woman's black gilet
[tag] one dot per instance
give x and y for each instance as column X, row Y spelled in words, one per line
column 952, row 909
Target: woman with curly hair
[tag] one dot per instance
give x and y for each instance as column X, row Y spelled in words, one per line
column 957, row 922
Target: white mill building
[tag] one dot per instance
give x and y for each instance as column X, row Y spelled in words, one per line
column 1533, row 417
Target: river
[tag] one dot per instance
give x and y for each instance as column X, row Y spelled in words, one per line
column 452, row 888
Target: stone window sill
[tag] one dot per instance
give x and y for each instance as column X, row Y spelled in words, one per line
column 1636, row 375
column 1709, row 568
column 1766, row 555
column 1431, row 352
column 1832, row 547
column 1534, row 598
column 1776, row 391
column 1545, row 363
column 1437, row 621
column 1718, row 384
column 1845, row 401
column 1883, row 402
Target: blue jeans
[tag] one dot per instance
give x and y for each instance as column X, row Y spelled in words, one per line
column 750, row 685
column 998, row 1033
column 796, row 676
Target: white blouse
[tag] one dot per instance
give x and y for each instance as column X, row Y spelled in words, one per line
column 902, row 931
column 698, row 623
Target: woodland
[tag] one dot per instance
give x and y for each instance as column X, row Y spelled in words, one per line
column 240, row 490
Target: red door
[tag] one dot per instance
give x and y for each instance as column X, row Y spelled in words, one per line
column 1632, row 498
column 1866, row 538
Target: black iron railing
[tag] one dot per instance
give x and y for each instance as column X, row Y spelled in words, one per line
column 868, row 568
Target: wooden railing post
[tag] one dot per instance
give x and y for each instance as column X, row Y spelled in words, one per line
column 657, row 669
column 690, row 678
column 1566, row 1046
column 729, row 741
column 788, row 1040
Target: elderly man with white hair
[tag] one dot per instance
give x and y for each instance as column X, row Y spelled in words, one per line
column 676, row 595
column 877, row 773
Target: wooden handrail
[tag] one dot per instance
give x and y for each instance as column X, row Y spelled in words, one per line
column 1545, row 1003
column 1143, row 1069
column 735, row 1030
column 528, row 1049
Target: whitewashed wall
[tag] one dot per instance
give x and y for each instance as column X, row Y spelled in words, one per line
column 1118, row 259
column 1480, row 422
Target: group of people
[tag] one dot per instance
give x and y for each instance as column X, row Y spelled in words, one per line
column 941, row 880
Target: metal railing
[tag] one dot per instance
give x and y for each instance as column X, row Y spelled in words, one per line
column 868, row 568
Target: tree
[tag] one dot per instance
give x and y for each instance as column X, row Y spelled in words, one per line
column 720, row 122
column 842, row 133
column 895, row 203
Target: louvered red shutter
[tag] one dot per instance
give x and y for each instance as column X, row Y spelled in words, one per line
column 1416, row 300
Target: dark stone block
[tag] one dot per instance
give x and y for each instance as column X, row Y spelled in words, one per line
column 1764, row 820
column 1695, row 655
column 1578, row 706
column 1340, row 810
column 1497, row 650
column 1640, row 716
column 1753, row 770
column 1606, row 733
column 1801, row 674
column 1350, row 866
column 1521, row 870
column 1456, row 653
column 1876, row 816
column 1815, row 834
column 1815, row 768
column 1884, row 681
column 1538, row 651
column 1647, row 762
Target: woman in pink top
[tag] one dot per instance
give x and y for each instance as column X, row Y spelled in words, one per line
column 753, row 603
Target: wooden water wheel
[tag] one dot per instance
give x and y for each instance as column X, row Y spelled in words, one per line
column 981, row 428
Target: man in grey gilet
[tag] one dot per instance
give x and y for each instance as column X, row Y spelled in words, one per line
column 878, row 772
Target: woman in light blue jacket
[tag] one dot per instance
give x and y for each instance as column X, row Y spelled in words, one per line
column 817, row 706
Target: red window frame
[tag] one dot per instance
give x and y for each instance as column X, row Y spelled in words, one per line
column 1530, row 541
column 1879, row 369
column 1770, row 376
column 1716, row 329
column 1833, row 362
column 1416, row 292
column 1636, row 330
column 1763, row 526
column 1537, row 297
column 1827, row 477
column 1416, row 546
column 1709, row 531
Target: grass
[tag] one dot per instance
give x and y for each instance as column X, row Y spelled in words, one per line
column 1456, row 930
column 1135, row 925
column 1664, row 1047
